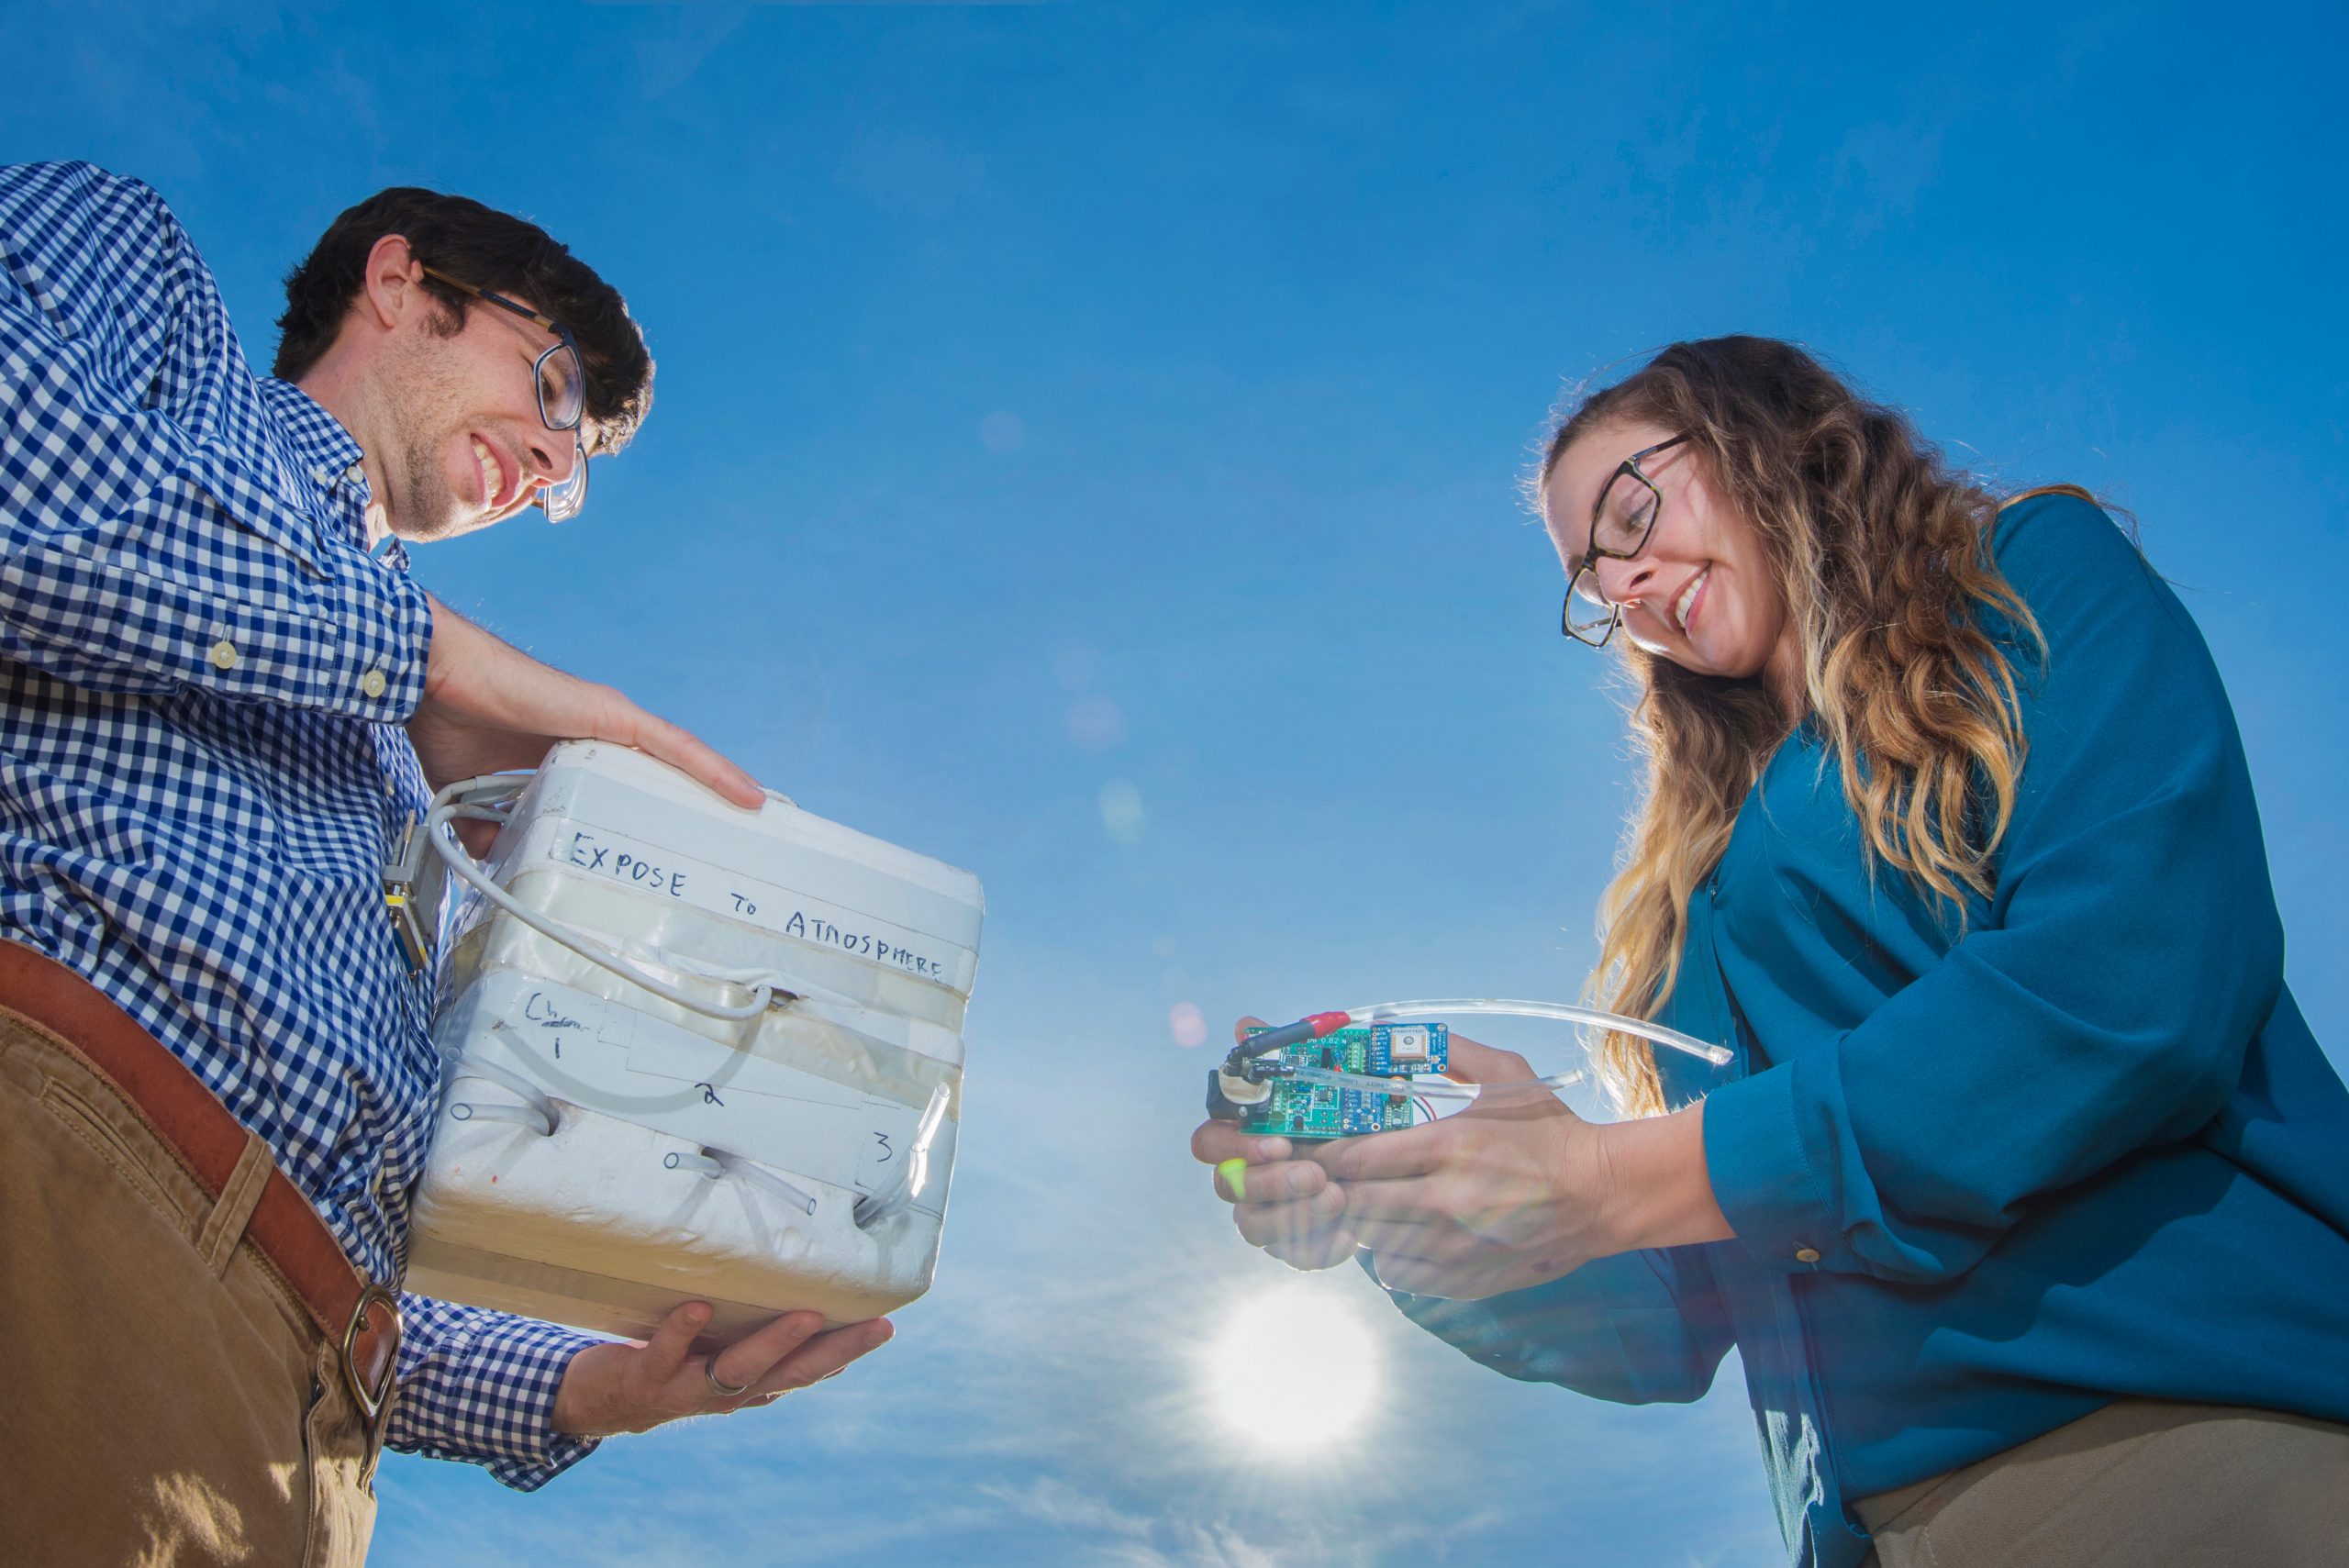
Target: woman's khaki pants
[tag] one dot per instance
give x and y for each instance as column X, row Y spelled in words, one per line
column 2139, row 1483
column 163, row 1399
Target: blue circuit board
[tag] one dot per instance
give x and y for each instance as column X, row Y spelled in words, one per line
column 1296, row 1109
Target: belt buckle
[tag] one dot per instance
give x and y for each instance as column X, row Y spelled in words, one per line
column 374, row 1404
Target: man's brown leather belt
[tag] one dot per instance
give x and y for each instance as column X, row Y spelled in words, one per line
column 355, row 1313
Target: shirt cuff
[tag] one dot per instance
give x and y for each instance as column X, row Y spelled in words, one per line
column 483, row 1390
column 371, row 664
column 387, row 662
column 357, row 644
column 1766, row 1172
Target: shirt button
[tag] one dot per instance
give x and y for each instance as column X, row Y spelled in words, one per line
column 1806, row 1254
column 223, row 655
column 371, row 682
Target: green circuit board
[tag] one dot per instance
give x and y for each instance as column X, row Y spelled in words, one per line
column 1305, row 1110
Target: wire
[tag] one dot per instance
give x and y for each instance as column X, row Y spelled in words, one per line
column 1316, row 1026
column 1434, row 1088
column 471, row 799
column 1386, row 1012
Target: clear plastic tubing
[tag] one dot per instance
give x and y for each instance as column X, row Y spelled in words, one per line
column 1432, row 1088
column 713, row 1163
column 913, row 1174
column 759, row 1176
column 521, row 1115
column 1453, row 1006
column 469, row 799
column 536, row 1110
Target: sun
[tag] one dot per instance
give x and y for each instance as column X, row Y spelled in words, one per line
column 1292, row 1368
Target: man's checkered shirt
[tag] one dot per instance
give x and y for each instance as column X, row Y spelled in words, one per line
column 202, row 680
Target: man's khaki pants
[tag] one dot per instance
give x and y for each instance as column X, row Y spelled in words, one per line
column 164, row 1399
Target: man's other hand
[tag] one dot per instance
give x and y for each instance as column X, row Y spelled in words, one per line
column 634, row 1387
column 489, row 708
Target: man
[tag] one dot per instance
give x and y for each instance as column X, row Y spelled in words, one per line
column 219, row 713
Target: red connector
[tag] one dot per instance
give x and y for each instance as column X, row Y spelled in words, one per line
column 1313, row 1026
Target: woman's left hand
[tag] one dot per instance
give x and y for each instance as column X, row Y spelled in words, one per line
column 1512, row 1192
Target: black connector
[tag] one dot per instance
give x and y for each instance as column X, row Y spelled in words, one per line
column 1221, row 1107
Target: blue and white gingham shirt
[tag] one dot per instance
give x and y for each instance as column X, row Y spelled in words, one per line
column 202, row 680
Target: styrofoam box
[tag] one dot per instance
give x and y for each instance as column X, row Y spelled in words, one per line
column 606, row 1223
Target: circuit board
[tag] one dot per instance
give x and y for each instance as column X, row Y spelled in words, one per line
column 1325, row 1110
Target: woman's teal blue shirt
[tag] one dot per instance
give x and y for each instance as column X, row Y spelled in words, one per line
column 1983, row 1184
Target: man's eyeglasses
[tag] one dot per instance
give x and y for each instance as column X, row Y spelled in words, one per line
column 1619, row 526
column 562, row 399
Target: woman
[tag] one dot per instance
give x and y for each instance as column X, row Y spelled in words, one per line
column 2025, row 1201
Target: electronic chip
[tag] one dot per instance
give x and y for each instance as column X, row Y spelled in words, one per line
column 1304, row 1110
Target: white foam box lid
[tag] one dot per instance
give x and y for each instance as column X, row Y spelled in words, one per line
column 593, row 1226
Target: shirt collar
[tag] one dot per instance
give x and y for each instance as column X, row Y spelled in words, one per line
column 322, row 447
column 329, row 456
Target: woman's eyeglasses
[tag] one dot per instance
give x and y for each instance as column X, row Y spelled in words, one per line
column 1620, row 525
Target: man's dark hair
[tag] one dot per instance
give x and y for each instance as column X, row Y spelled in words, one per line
column 489, row 250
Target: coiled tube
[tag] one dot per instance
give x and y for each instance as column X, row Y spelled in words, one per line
column 472, row 799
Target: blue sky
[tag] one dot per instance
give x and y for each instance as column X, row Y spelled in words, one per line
column 1085, row 450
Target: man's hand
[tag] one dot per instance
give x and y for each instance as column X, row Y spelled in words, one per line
column 489, row 708
column 633, row 1388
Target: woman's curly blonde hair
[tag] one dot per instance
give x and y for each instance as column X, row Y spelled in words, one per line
column 1882, row 551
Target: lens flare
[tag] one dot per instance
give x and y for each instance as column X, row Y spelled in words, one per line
column 1121, row 811
column 1294, row 1368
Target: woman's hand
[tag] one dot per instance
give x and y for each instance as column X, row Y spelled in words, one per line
column 1290, row 1204
column 1285, row 1204
column 1517, row 1190
column 1512, row 1192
